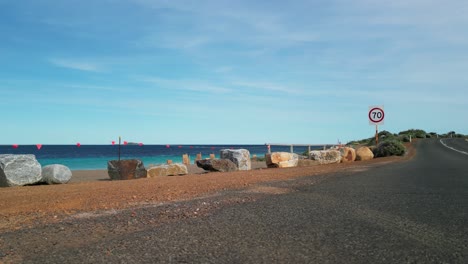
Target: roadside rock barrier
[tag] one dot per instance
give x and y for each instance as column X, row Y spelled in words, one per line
column 240, row 157
column 222, row 165
column 126, row 169
column 347, row 154
column 281, row 160
column 326, row 156
column 56, row 174
column 19, row 170
column 168, row 170
column 364, row 153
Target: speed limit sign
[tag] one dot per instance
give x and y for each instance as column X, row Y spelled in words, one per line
column 376, row 115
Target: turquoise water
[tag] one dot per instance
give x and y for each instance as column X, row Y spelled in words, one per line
column 100, row 163
column 95, row 157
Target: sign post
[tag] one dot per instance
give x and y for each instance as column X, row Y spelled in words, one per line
column 119, row 148
column 376, row 117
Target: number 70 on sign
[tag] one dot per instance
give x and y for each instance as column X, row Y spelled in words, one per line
column 376, row 115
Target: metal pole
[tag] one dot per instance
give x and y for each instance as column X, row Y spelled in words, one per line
column 292, row 149
column 376, row 134
column 119, row 148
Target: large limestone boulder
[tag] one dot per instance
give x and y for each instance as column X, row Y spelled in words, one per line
column 19, row 170
column 307, row 163
column 281, row 160
column 326, row 156
column 56, row 174
column 126, row 169
column 364, row 153
column 168, row 170
column 222, row 165
column 347, row 154
column 240, row 157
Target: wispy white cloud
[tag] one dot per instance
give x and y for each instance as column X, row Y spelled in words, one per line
column 233, row 23
column 77, row 65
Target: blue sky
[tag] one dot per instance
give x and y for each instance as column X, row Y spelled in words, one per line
column 206, row 72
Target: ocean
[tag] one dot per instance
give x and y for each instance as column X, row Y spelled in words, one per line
column 95, row 157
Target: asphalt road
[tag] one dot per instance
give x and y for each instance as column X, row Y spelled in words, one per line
column 406, row 212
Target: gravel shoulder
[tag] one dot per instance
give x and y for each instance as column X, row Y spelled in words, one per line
column 92, row 191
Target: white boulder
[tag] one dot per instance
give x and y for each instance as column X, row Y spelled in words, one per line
column 240, row 157
column 326, row 156
column 19, row 170
column 56, row 174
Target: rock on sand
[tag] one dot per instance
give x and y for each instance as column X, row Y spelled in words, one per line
column 19, row 170
column 240, row 157
column 56, row 174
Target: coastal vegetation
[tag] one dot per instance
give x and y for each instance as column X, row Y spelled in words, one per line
column 390, row 144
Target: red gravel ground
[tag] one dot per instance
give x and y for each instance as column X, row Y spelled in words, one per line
column 25, row 207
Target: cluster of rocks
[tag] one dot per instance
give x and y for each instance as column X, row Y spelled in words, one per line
column 342, row 155
column 230, row 160
column 20, row 170
column 134, row 169
column 317, row 157
column 234, row 160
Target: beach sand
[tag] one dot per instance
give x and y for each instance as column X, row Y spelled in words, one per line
column 91, row 191
column 101, row 175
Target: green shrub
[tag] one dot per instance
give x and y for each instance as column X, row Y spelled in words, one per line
column 415, row 133
column 385, row 134
column 389, row 148
column 404, row 138
column 359, row 142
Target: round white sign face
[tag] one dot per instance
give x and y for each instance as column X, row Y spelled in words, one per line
column 376, row 115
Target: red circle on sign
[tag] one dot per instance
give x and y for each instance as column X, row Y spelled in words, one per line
column 379, row 120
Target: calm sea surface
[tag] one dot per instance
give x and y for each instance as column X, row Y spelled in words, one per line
column 92, row 157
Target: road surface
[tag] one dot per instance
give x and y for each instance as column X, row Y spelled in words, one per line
column 405, row 212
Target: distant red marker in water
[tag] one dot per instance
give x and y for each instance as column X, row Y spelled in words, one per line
column 180, row 146
column 140, row 144
column 168, row 146
column 212, row 147
column 78, row 144
column 125, row 143
column 113, row 142
column 191, row 146
column 39, row 146
column 15, row 146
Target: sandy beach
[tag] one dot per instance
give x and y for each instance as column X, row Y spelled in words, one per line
column 101, row 175
column 90, row 191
